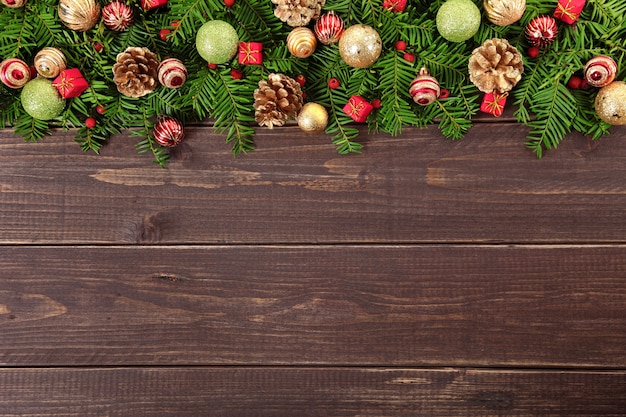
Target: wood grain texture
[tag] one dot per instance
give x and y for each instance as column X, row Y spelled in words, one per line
column 328, row 392
column 379, row 305
column 417, row 188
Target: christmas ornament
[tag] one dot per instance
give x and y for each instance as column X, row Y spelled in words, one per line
column 90, row 123
column 168, row 131
column 14, row 3
column 395, row 6
column 424, row 88
column 217, row 41
column 277, row 100
column 135, row 72
column 458, row 20
column 298, row 12
column 172, row 73
column 118, row 16
column 493, row 103
column 14, row 73
column 313, row 118
column 49, row 62
column 541, row 31
column 250, row 53
column 70, row 83
column 360, row 46
column 358, row 109
column 610, row 103
column 504, row 12
column 600, row 71
column 329, row 28
column 41, row 100
column 79, row 15
column 569, row 10
column 152, row 4
column 496, row 65
column 301, row 42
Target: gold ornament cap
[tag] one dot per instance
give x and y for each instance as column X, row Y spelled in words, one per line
column 313, row 118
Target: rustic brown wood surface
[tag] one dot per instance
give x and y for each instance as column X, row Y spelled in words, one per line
column 422, row 277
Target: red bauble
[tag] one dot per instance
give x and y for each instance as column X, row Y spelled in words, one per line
column 541, row 31
column 424, row 88
column 600, row 71
column 118, row 16
column 168, row 131
column 328, row 28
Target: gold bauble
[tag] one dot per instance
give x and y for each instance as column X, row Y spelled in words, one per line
column 360, row 46
column 504, row 12
column 301, row 42
column 313, row 118
column 49, row 62
column 80, row 15
column 611, row 103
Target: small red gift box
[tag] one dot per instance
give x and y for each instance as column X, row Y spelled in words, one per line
column 493, row 103
column 569, row 10
column 70, row 83
column 358, row 108
column 250, row 53
column 396, row 6
column 152, row 4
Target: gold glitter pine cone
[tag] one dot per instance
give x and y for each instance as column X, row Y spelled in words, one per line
column 298, row 12
column 136, row 72
column 278, row 99
column 496, row 66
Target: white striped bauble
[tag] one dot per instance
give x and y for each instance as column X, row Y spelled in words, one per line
column 118, row 16
column 328, row 28
column 600, row 71
column 14, row 72
column 425, row 88
column 172, row 73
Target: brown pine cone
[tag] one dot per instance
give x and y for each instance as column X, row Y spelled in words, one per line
column 135, row 72
column 298, row 12
column 496, row 66
column 277, row 100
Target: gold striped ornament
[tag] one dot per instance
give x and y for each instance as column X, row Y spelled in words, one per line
column 49, row 62
column 301, row 42
column 172, row 73
column 425, row 88
column 14, row 73
column 600, row 71
column 504, row 12
column 79, row 15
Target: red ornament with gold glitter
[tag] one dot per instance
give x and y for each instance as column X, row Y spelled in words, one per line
column 152, row 4
column 600, row 71
column 168, row 131
column 118, row 16
column 541, row 31
column 358, row 109
column 14, row 73
column 425, row 88
column 70, row 83
column 395, row 6
column 493, row 103
column 250, row 53
column 328, row 28
column 569, row 10
column 172, row 73
column 14, row 4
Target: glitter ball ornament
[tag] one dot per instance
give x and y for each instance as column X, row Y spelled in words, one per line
column 458, row 20
column 504, row 12
column 118, row 16
column 49, row 62
column 329, row 28
column 600, row 71
column 14, row 4
column 424, row 89
column 14, row 72
column 360, row 46
column 541, row 31
column 172, row 73
column 313, row 118
column 217, row 41
column 301, row 42
column 168, row 131
column 610, row 103
column 41, row 100
column 79, row 15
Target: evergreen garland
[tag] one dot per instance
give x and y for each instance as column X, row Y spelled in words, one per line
column 542, row 100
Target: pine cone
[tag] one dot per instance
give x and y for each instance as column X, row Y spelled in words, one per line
column 496, row 66
column 277, row 100
column 298, row 12
column 135, row 72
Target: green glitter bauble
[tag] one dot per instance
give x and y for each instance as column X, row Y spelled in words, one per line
column 458, row 20
column 41, row 99
column 217, row 41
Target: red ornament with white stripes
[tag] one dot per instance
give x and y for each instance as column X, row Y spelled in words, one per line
column 168, row 131
column 118, row 16
column 541, row 31
column 600, row 71
column 328, row 28
column 172, row 73
column 425, row 88
column 14, row 72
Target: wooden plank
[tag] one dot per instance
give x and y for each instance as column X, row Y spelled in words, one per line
column 294, row 188
column 329, row 392
column 433, row 305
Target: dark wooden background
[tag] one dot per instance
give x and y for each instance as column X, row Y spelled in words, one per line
column 424, row 277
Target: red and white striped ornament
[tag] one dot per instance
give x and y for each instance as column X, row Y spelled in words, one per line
column 600, row 71
column 425, row 88
column 172, row 73
column 118, row 16
column 541, row 31
column 14, row 72
column 168, row 131
column 328, row 28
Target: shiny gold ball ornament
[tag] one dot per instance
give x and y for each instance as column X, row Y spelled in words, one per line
column 360, row 46
column 49, row 62
column 301, row 42
column 79, row 15
column 610, row 103
column 14, row 4
column 504, row 12
column 313, row 118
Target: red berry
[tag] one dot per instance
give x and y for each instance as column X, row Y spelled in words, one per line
column 401, row 45
column 212, row 66
column 301, row 79
column 575, row 82
column 229, row 3
column 333, row 83
column 98, row 47
column 163, row 34
column 236, row 74
column 101, row 109
column 533, row 52
column 90, row 123
column 376, row 103
column 584, row 84
column 175, row 23
column 409, row 57
column 444, row 93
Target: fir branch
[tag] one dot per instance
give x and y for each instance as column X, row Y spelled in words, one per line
column 343, row 135
column 31, row 129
